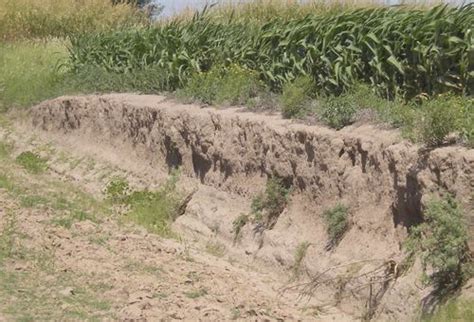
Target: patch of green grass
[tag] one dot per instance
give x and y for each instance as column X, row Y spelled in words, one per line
column 29, row 72
column 337, row 223
column 271, row 203
column 196, row 293
column 33, row 201
column 215, row 248
column 32, row 162
column 295, row 98
column 442, row 241
column 300, row 254
column 117, row 190
column 155, row 210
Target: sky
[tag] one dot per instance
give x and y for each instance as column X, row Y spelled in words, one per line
column 174, row 6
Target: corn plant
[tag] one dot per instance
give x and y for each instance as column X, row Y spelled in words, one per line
column 404, row 52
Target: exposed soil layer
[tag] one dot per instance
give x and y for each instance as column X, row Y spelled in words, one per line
column 228, row 156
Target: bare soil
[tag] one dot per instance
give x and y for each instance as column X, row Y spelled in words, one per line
column 114, row 269
column 59, row 266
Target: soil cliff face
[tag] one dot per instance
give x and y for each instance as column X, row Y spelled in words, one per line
column 384, row 181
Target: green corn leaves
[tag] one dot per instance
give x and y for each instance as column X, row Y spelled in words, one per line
column 397, row 50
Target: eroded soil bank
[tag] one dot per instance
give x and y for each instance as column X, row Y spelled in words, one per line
column 226, row 156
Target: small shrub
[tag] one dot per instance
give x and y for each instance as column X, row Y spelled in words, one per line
column 32, row 162
column 295, row 97
column 271, row 203
column 300, row 254
column 238, row 224
column 453, row 311
column 238, row 86
column 442, row 241
column 337, row 223
column 339, row 111
column 439, row 118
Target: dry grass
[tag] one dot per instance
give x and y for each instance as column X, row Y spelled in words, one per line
column 263, row 10
column 20, row 19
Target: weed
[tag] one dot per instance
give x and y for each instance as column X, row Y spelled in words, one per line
column 442, row 241
column 235, row 313
column 440, row 117
column 271, row 203
column 117, row 190
column 99, row 240
column 337, row 112
column 140, row 267
column 300, row 254
column 215, row 248
column 154, row 210
column 32, row 201
column 32, row 162
column 5, row 150
column 295, row 97
column 337, row 223
column 231, row 85
column 7, row 237
column 196, row 293
column 238, row 224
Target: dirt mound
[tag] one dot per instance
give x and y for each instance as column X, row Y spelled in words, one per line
column 230, row 154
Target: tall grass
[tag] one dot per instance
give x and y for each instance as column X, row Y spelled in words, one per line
column 20, row 19
column 29, row 72
column 398, row 51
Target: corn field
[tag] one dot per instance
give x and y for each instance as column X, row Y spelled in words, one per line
column 398, row 51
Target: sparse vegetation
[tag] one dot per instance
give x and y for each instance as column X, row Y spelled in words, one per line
column 196, row 293
column 300, row 254
column 269, row 204
column 238, row 224
column 232, row 85
column 337, row 223
column 215, row 248
column 32, row 162
column 442, row 243
column 154, row 210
